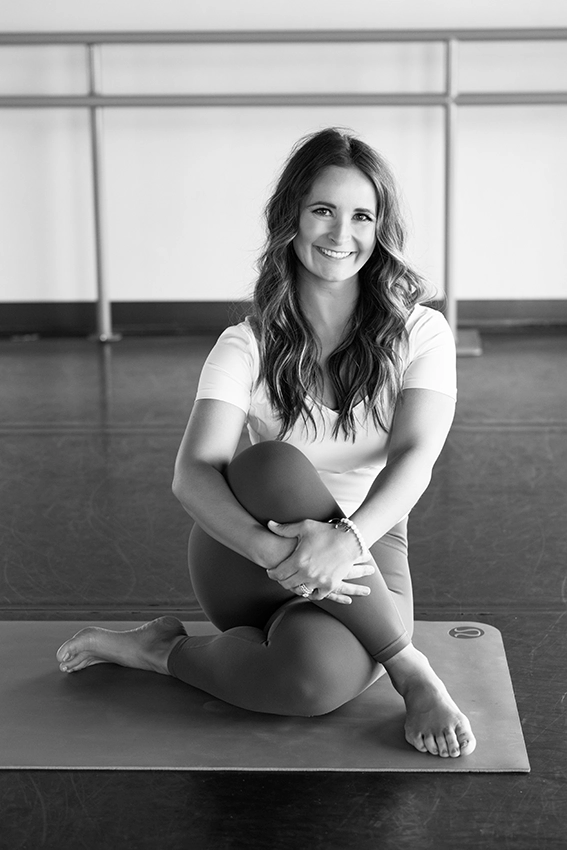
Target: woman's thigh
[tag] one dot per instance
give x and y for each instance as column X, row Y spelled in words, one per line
column 231, row 590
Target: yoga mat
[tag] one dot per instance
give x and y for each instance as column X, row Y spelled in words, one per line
column 110, row 717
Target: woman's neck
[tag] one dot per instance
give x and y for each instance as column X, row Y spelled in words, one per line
column 328, row 307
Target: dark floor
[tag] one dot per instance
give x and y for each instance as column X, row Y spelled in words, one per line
column 90, row 530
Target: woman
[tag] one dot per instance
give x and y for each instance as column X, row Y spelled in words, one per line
column 299, row 549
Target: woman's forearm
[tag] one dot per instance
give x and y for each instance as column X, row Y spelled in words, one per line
column 421, row 423
column 393, row 494
column 205, row 495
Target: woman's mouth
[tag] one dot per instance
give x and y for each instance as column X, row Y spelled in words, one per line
column 333, row 255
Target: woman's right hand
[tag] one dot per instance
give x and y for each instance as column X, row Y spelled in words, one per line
column 324, row 561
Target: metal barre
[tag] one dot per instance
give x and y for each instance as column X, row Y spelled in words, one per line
column 283, row 36
column 450, row 100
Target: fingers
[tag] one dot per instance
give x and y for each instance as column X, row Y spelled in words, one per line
column 342, row 594
column 285, row 574
column 338, row 597
column 289, row 570
column 324, row 586
column 346, row 588
column 361, row 570
column 289, row 529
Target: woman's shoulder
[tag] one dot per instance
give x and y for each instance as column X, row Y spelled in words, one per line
column 424, row 320
column 231, row 368
column 239, row 336
column 236, row 350
column 424, row 324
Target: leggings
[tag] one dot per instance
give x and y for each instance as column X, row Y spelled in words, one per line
column 279, row 653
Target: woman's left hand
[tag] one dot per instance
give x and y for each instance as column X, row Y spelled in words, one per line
column 324, row 561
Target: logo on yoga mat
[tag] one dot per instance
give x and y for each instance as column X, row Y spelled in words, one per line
column 466, row 632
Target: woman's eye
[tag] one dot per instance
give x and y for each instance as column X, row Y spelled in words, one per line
column 322, row 211
column 363, row 217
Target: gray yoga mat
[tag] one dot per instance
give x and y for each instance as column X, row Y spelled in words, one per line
column 110, row 717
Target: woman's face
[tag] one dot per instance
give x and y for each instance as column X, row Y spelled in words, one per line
column 337, row 226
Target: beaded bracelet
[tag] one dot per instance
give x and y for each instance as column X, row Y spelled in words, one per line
column 347, row 525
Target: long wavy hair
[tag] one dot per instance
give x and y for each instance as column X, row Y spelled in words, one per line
column 367, row 365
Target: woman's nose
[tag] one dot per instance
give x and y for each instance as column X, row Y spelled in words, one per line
column 340, row 232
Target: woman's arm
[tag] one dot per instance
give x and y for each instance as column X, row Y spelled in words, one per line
column 209, row 444
column 421, row 423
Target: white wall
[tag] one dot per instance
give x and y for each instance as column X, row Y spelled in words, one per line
column 185, row 187
column 265, row 14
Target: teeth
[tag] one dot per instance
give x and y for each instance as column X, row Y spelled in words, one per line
column 338, row 255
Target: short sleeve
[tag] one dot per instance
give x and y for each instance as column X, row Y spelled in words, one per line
column 231, row 368
column 431, row 353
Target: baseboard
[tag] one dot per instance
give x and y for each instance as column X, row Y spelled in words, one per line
column 129, row 318
column 57, row 318
column 510, row 314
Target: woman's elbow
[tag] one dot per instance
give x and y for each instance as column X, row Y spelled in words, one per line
column 179, row 484
column 189, row 477
column 176, row 487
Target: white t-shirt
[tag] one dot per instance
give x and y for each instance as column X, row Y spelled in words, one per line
column 348, row 469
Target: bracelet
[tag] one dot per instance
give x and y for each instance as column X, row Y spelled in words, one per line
column 348, row 525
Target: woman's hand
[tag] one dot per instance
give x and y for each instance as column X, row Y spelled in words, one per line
column 323, row 560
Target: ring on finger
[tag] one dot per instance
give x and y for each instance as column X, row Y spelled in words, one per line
column 305, row 591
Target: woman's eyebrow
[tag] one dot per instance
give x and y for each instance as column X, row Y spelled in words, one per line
column 321, row 204
column 334, row 207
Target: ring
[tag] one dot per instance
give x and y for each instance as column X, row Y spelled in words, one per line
column 305, row 591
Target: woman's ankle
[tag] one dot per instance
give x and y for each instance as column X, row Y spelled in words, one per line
column 408, row 666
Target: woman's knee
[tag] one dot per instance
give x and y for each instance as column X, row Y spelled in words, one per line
column 271, row 458
column 320, row 663
column 308, row 698
column 315, row 692
column 275, row 480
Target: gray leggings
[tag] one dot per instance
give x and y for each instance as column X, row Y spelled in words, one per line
column 280, row 653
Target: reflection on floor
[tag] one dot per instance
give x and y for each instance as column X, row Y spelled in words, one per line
column 90, row 530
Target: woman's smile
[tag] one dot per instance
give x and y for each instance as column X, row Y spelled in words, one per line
column 333, row 255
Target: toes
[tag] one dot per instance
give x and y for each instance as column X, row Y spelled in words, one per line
column 453, row 747
column 63, row 653
column 447, row 744
column 71, row 663
column 442, row 746
column 467, row 743
column 417, row 742
column 431, row 745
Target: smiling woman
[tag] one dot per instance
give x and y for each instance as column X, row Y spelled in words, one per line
column 346, row 382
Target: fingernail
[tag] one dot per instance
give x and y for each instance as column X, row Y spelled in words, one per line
column 66, row 656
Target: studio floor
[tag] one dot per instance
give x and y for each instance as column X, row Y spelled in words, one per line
column 91, row 531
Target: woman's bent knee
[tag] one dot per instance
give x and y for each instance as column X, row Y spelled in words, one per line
column 275, row 480
column 267, row 459
column 313, row 697
column 321, row 664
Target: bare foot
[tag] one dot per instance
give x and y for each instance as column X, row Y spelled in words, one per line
column 145, row 648
column 434, row 723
